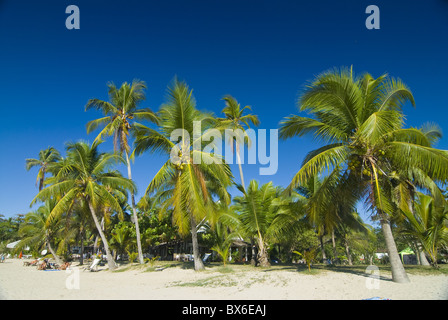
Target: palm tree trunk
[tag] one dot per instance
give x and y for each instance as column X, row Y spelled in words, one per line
column 321, row 241
column 110, row 260
column 333, row 242
column 41, row 184
column 253, row 260
column 95, row 244
column 263, row 257
column 137, row 228
column 238, row 160
column 81, row 255
column 398, row 273
column 198, row 265
column 347, row 252
column 56, row 257
column 421, row 255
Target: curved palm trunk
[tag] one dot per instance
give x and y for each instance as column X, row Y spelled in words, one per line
column 398, row 273
column 134, row 211
column 421, row 255
column 110, row 260
column 238, row 159
column 198, row 265
column 50, row 248
column 95, row 244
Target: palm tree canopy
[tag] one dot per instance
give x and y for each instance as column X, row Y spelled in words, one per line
column 47, row 160
column 360, row 121
column 427, row 224
column 234, row 114
column 38, row 227
column 235, row 119
column 263, row 212
column 88, row 177
column 184, row 184
column 119, row 111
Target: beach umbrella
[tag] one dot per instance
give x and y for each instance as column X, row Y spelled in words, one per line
column 12, row 245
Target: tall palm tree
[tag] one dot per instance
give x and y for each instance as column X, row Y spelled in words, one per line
column 46, row 159
column 360, row 121
column 183, row 184
column 88, row 180
column 236, row 120
column 119, row 113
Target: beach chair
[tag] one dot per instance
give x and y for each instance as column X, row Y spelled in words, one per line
column 206, row 258
column 93, row 266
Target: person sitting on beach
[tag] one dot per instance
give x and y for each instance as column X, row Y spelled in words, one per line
column 65, row 266
column 43, row 265
column 34, row 262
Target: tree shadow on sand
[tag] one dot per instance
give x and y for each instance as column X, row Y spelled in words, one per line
column 317, row 268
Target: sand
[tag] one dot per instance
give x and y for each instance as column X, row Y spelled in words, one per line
column 176, row 283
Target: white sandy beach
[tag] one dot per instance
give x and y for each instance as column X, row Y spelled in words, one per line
column 19, row 282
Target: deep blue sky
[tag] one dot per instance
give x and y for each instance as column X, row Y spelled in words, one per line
column 261, row 52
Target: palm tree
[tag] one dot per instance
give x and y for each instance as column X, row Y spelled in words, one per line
column 353, row 231
column 121, row 238
column 46, row 159
column 235, row 120
column 320, row 204
column 39, row 231
column 119, row 113
column 360, row 121
column 223, row 239
column 221, row 229
column 263, row 214
column 428, row 224
column 183, row 184
column 87, row 180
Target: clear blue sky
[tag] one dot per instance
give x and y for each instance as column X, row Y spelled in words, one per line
column 261, row 52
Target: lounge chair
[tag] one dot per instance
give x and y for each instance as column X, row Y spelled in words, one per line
column 206, row 258
column 160, row 268
column 93, row 266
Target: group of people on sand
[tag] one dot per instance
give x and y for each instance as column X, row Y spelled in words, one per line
column 45, row 264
